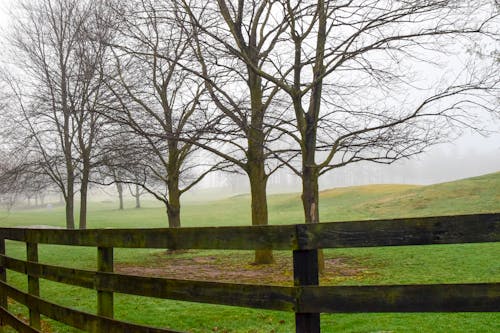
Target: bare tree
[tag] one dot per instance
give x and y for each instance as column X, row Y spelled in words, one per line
column 91, row 97
column 245, row 136
column 117, row 179
column 124, row 163
column 349, row 78
column 20, row 179
column 136, row 191
column 159, row 101
column 59, row 49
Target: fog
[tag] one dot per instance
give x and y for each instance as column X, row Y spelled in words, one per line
column 470, row 155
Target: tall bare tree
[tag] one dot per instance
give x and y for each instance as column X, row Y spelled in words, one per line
column 90, row 97
column 159, row 101
column 353, row 66
column 247, row 103
column 59, row 50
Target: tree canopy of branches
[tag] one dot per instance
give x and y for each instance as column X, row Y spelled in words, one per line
column 249, row 106
column 58, row 88
column 159, row 101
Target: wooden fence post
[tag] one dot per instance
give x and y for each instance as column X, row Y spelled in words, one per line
column 3, row 277
column 33, row 283
column 305, row 273
column 105, row 298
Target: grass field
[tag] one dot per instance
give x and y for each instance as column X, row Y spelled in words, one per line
column 385, row 265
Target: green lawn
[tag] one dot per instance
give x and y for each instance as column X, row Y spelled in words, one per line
column 385, row 265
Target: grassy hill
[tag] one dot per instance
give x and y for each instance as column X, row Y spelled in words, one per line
column 471, row 195
column 467, row 196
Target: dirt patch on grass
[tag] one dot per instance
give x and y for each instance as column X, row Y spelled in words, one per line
column 237, row 268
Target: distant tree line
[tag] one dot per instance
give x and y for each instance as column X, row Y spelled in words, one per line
column 156, row 94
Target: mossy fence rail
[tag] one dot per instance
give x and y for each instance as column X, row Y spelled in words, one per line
column 306, row 298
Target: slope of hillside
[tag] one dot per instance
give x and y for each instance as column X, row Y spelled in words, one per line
column 466, row 196
column 472, row 195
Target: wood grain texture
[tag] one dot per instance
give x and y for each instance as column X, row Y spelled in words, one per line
column 411, row 231
column 306, row 273
column 105, row 299
column 255, row 237
column 482, row 297
column 71, row 276
column 16, row 323
column 33, row 283
column 395, row 232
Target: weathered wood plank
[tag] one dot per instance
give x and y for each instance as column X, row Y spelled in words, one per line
column 256, row 296
column 16, row 323
column 78, row 319
column 33, row 283
column 12, row 234
column 256, row 237
column 411, row 231
column 3, row 277
column 65, row 275
column 483, row 297
column 105, row 302
column 306, row 273
column 245, row 295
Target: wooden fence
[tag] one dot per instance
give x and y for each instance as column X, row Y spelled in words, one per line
column 306, row 298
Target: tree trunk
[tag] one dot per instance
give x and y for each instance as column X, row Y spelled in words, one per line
column 174, row 203
column 310, row 170
column 256, row 163
column 119, row 188
column 310, row 175
column 258, row 183
column 83, row 206
column 310, row 201
column 83, row 197
column 69, row 198
column 137, row 197
column 70, row 195
column 67, row 144
column 310, row 194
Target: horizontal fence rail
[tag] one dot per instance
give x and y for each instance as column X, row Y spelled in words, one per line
column 306, row 298
column 393, row 232
column 473, row 297
column 78, row 319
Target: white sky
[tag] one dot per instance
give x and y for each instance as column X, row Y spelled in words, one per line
column 4, row 4
column 480, row 146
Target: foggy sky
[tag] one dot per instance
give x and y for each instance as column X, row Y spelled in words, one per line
column 470, row 155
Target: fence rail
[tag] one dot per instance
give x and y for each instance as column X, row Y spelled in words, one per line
column 306, row 298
